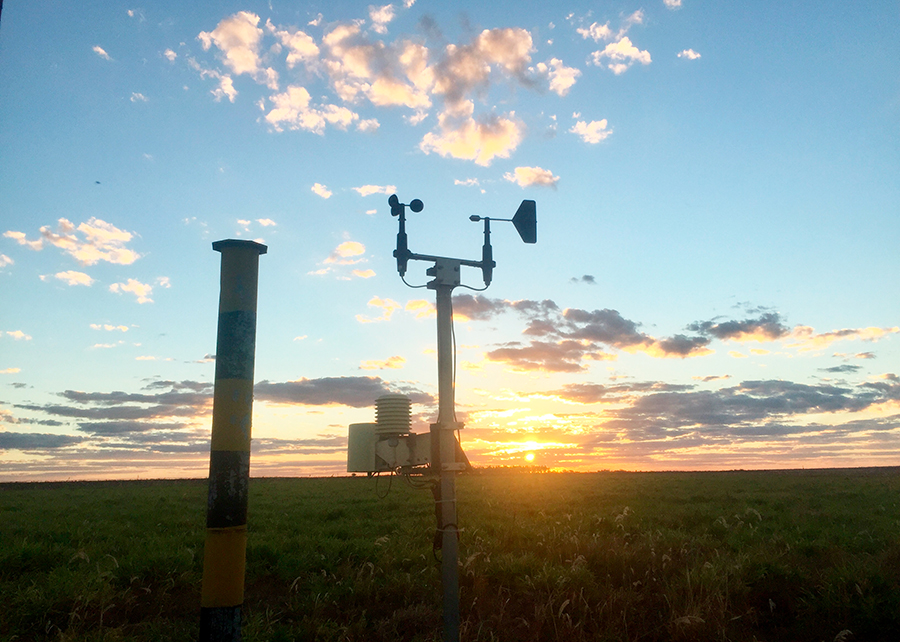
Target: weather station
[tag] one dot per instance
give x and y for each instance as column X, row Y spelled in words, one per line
column 388, row 445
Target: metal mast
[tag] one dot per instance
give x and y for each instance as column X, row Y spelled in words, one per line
column 446, row 273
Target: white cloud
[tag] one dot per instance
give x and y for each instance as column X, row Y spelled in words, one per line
column 596, row 32
column 226, row 86
column 468, row 67
column 388, row 75
column 100, row 52
column 106, row 346
column 368, row 125
column 368, row 190
column 163, row 282
column 138, row 98
column 266, row 222
column 478, row 140
column 690, row 54
column 102, row 241
column 301, row 46
column 562, row 78
column 170, row 55
column 672, row 4
column 109, row 328
column 621, row 55
column 225, row 89
column 18, row 335
column 527, row 176
column 371, row 212
column 5, row 260
column 469, row 182
column 237, row 37
column 141, row 290
column 416, row 118
column 320, row 190
column 380, row 17
column 592, row 132
column 19, row 237
column 293, row 108
column 635, row 18
column 71, row 277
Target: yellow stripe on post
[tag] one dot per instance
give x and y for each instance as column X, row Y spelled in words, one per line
column 232, row 404
column 224, row 562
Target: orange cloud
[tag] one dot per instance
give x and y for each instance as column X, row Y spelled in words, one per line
column 387, row 307
column 391, row 363
column 805, row 339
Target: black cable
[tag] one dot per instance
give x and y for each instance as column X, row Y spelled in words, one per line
column 402, row 278
column 390, row 483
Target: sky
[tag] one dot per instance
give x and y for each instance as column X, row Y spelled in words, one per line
column 714, row 281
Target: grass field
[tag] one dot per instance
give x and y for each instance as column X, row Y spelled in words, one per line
column 803, row 555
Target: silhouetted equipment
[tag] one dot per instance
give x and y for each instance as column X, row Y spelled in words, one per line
column 222, row 591
column 372, row 448
column 525, row 221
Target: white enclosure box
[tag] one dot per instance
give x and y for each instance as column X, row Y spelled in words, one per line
column 361, row 448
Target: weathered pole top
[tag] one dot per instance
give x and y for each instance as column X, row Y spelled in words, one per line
column 226, row 244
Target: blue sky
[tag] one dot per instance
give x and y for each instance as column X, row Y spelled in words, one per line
column 717, row 197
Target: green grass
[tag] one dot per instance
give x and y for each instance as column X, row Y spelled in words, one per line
column 607, row 556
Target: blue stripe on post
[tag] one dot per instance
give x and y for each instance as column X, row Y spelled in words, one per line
column 236, row 345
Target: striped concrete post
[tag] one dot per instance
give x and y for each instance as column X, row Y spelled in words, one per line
column 222, row 592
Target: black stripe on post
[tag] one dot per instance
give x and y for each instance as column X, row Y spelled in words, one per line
column 229, row 475
column 220, row 623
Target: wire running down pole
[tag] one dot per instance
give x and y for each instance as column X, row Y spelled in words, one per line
column 224, row 555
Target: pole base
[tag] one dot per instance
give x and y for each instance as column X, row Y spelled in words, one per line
column 220, row 624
